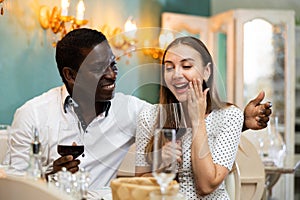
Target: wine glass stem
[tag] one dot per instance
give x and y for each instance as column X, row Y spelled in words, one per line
column 163, row 189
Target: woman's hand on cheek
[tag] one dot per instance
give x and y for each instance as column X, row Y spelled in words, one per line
column 196, row 100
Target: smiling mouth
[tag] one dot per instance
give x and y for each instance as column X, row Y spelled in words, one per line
column 109, row 86
column 181, row 86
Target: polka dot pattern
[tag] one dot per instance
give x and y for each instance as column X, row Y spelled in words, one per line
column 223, row 127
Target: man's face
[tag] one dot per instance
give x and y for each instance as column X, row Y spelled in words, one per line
column 96, row 77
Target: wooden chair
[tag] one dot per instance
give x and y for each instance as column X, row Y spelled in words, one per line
column 233, row 183
column 247, row 178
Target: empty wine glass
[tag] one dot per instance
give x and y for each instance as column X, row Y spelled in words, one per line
column 70, row 139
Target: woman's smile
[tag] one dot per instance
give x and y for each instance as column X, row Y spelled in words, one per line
column 181, row 88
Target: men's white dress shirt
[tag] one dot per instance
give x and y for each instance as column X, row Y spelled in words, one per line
column 106, row 139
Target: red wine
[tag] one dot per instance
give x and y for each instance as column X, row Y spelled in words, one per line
column 65, row 150
column 179, row 133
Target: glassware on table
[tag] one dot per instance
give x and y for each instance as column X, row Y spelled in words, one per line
column 75, row 185
column 70, row 137
column 272, row 148
column 277, row 148
column 39, row 153
column 35, row 169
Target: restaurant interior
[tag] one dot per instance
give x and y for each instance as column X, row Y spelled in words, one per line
column 255, row 45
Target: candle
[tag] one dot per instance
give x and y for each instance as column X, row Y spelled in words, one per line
column 80, row 10
column 130, row 28
column 64, row 7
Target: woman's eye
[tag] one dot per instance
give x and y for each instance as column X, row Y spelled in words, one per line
column 169, row 69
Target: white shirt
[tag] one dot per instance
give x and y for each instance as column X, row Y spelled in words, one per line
column 106, row 139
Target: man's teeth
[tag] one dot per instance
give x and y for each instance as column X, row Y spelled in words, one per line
column 110, row 86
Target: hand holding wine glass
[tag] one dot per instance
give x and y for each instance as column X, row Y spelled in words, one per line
column 70, row 147
column 164, row 157
column 166, row 145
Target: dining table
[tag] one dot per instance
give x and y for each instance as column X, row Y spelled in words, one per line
column 273, row 173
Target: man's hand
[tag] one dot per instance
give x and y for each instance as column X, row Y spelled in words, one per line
column 67, row 162
column 256, row 114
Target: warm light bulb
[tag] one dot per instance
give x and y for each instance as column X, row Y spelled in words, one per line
column 80, row 10
column 130, row 27
column 64, row 7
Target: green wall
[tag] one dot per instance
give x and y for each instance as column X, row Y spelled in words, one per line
column 27, row 64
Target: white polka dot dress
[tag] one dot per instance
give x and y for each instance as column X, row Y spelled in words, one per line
column 223, row 128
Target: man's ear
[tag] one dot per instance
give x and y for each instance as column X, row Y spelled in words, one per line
column 207, row 71
column 69, row 75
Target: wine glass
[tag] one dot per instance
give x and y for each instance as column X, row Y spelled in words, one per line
column 171, row 126
column 164, row 157
column 70, row 137
column 276, row 148
column 173, row 116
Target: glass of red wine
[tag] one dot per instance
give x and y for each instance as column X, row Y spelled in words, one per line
column 70, row 139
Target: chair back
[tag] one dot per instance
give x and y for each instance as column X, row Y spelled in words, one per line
column 251, row 170
column 233, row 183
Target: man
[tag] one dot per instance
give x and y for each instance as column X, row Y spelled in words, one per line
column 108, row 121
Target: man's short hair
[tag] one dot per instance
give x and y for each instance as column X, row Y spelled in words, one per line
column 73, row 48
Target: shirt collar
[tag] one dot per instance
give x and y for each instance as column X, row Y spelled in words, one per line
column 69, row 101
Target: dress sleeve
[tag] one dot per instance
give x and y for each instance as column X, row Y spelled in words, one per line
column 145, row 127
column 226, row 143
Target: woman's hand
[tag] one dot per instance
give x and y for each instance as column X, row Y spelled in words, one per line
column 167, row 153
column 196, row 101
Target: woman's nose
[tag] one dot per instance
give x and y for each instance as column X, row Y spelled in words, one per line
column 177, row 72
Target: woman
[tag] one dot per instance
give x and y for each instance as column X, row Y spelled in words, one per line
column 210, row 147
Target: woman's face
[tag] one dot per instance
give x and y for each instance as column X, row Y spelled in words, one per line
column 182, row 65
